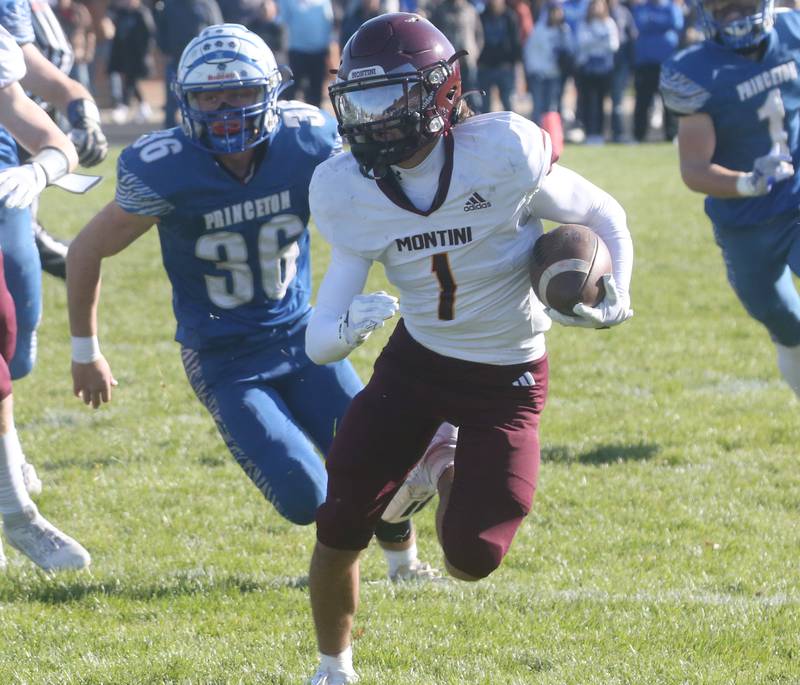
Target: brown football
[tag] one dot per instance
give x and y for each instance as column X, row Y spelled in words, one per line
column 566, row 267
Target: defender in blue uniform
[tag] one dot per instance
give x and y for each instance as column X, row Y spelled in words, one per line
column 738, row 97
column 229, row 193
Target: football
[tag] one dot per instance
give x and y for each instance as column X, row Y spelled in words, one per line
column 566, row 267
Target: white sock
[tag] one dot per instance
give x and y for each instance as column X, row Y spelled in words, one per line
column 789, row 365
column 338, row 663
column 402, row 557
column 13, row 495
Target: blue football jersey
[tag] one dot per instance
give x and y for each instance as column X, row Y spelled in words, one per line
column 237, row 253
column 754, row 106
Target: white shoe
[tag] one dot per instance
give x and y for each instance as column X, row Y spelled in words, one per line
column 43, row 543
column 325, row 677
column 420, row 485
column 32, row 482
column 119, row 115
column 143, row 113
column 417, row 570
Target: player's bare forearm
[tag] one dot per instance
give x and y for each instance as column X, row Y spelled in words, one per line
column 697, row 141
column 30, row 126
column 111, row 231
column 83, row 286
column 710, row 179
column 46, row 81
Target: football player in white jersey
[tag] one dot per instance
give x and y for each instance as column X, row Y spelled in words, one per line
column 54, row 155
column 451, row 206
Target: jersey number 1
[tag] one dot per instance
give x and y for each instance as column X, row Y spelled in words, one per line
column 773, row 111
column 447, row 286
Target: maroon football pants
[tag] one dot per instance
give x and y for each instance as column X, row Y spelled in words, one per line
column 389, row 425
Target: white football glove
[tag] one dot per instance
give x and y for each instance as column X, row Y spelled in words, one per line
column 612, row 310
column 364, row 315
column 767, row 171
column 19, row 185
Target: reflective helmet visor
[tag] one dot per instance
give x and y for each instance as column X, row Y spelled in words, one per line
column 379, row 103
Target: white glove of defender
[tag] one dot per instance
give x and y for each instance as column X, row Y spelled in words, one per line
column 19, row 185
column 364, row 315
column 767, row 171
column 613, row 310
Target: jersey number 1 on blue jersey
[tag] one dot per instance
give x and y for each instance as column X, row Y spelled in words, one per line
column 774, row 112
column 277, row 261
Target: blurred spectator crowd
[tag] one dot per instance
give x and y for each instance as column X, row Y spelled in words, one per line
column 594, row 63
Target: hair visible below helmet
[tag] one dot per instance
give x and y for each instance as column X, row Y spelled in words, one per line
column 396, row 90
column 741, row 33
column 228, row 56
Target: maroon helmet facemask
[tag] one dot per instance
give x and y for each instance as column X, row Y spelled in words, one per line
column 397, row 87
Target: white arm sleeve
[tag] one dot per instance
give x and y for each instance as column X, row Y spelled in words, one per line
column 345, row 278
column 567, row 198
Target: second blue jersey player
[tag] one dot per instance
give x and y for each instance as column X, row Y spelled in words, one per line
column 228, row 191
column 738, row 97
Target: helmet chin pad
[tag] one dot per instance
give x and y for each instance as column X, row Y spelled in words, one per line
column 375, row 157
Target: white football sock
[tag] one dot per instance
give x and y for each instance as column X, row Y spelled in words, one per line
column 789, row 365
column 400, row 557
column 338, row 663
column 13, row 495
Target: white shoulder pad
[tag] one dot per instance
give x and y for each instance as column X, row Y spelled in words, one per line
column 513, row 147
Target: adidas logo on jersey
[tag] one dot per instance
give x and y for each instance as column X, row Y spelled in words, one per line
column 476, row 202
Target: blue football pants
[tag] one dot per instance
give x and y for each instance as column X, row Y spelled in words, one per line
column 760, row 260
column 24, row 279
column 272, row 425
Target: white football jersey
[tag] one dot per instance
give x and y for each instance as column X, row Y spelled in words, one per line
column 461, row 270
column 12, row 63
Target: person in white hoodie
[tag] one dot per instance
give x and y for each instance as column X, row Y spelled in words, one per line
column 597, row 42
column 548, row 54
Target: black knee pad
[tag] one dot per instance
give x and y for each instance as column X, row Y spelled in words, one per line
column 393, row 532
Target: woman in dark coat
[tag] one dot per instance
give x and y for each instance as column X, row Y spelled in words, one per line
column 130, row 55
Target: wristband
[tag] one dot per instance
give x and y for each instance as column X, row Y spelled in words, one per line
column 85, row 350
column 53, row 161
column 745, row 186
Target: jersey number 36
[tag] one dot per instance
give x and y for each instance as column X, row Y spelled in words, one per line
column 277, row 261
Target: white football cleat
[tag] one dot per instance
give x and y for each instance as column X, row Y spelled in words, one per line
column 32, row 482
column 43, row 543
column 420, row 486
column 416, row 571
column 325, row 677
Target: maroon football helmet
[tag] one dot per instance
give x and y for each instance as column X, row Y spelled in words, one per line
column 396, row 89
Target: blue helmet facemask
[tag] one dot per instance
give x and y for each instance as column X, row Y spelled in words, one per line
column 743, row 32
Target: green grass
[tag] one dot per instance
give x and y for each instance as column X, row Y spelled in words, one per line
column 662, row 549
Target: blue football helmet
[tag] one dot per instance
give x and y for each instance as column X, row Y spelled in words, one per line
column 737, row 24
column 227, row 56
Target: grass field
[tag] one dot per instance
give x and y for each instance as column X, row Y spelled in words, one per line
column 662, row 549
